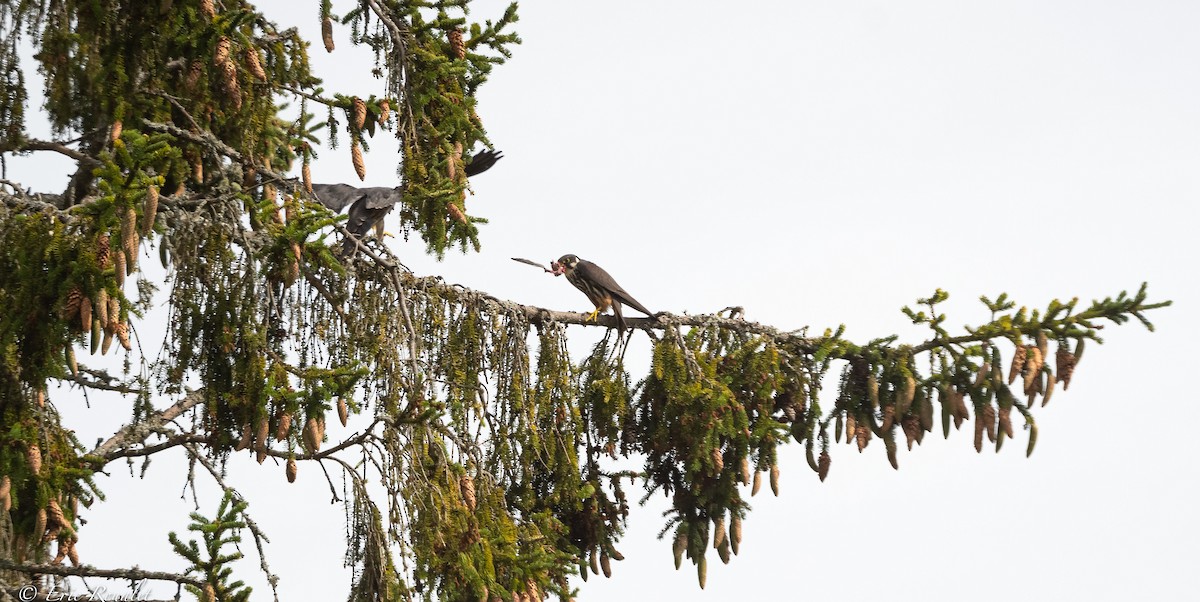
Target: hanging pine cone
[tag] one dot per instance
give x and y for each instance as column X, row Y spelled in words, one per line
column 1005, row 416
column 889, row 443
column 680, row 545
column 384, row 111
column 129, row 238
column 989, row 421
column 745, row 471
column 101, row 307
column 1018, row 362
column 862, row 436
column 327, row 33
column 71, row 306
column 121, row 330
column 456, row 213
column 457, row 47
column 873, row 390
column 775, row 479
column 358, row 113
column 718, row 460
column 905, row 394
column 103, row 252
column 221, row 53
column 702, row 571
column 229, row 84
column 290, row 471
column 39, row 525
column 823, row 463
column 342, row 408
column 467, row 486
column 356, row 157
column 306, row 176
column 247, row 437
column 117, row 128
column 1033, row 368
column 757, row 484
column 121, row 268
column 718, row 531
column 889, row 418
column 149, row 209
column 206, row 7
column 33, row 457
column 1065, row 362
column 912, row 429
column 71, row 363
column 85, row 313
column 312, row 439
column 254, row 65
column 284, row 426
column 735, row 532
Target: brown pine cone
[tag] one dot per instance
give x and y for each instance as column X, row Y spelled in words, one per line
column 327, row 33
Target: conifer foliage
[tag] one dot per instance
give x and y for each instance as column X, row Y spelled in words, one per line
column 505, row 462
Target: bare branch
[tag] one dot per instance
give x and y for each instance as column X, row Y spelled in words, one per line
column 58, row 147
column 134, row 574
column 136, row 433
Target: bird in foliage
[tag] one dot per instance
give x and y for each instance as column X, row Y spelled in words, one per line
column 598, row 285
column 368, row 206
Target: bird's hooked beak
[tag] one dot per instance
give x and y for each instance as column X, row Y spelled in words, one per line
column 557, row 268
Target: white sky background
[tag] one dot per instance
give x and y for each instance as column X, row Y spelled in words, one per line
column 818, row 164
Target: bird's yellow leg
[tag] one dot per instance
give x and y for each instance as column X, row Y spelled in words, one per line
column 594, row 316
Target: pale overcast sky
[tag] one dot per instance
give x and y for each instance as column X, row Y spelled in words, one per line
column 822, row 163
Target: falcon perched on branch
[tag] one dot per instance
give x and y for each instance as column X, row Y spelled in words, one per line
column 600, row 288
column 368, row 206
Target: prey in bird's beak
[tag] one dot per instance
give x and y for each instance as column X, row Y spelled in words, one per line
column 557, row 268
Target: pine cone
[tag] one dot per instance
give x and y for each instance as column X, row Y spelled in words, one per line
column 312, row 440
column 775, row 479
column 358, row 113
column 327, row 33
column 117, row 128
column 221, row 53
column 343, row 410
column 121, row 330
column 384, row 111
column 247, row 436
column 757, row 484
column 745, row 472
column 912, row 429
column 101, row 306
column 873, row 390
column 356, row 157
column 121, row 268
column 206, row 7
column 905, row 394
column 1065, row 361
column 718, row 531
column 284, row 426
column 735, row 532
column 457, row 47
column 85, row 313
column 1033, row 368
column 681, row 544
column 823, row 462
column 1005, row 416
column 979, row 428
column 989, row 421
column 150, row 209
column 889, row 443
column 467, row 486
column 862, row 436
column 103, row 252
column 290, row 471
column 702, row 571
column 254, row 65
column 456, row 213
column 851, row 428
column 129, row 238
column 605, row 565
column 72, row 305
column 39, row 524
column 306, row 176
column 1018, row 362
column 889, row 418
column 718, row 460
column 230, row 85
column 71, row 363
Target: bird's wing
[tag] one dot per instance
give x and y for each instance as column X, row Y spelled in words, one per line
column 335, row 196
column 596, row 274
column 482, row 161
